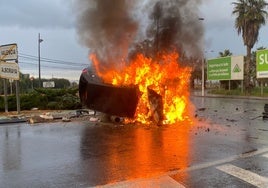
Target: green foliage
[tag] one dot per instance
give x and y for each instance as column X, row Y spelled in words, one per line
column 33, row 100
column 27, row 85
column 225, row 53
column 237, row 92
column 226, row 92
column 53, row 105
column 45, row 99
column 69, row 101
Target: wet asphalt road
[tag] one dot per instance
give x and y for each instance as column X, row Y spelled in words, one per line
column 226, row 134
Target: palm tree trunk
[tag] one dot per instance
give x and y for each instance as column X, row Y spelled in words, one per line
column 247, row 71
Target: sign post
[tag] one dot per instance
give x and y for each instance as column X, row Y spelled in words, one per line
column 9, row 69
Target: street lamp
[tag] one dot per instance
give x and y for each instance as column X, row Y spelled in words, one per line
column 39, row 68
column 203, row 70
column 203, row 77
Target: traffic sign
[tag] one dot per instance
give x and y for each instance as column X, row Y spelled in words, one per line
column 8, row 52
column 262, row 63
column 9, row 70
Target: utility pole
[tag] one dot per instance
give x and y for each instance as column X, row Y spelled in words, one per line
column 203, row 70
column 39, row 67
column 203, row 77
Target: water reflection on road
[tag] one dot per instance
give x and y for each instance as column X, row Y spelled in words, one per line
column 11, row 152
column 131, row 152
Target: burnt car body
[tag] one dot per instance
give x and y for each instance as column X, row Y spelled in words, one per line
column 106, row 98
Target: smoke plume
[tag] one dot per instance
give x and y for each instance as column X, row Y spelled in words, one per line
column 112, row 29
column 176, row 24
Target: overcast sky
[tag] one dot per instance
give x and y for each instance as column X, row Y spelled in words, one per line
column 21, row 21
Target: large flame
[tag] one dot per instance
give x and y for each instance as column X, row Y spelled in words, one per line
column 164, row 75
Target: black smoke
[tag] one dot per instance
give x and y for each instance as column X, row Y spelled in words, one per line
column 175, row 24
column 106, row 28
column 114, row 29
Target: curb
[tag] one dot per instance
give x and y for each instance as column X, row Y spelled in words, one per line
column 232, row 97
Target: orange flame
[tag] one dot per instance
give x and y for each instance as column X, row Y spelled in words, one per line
column 165, row 76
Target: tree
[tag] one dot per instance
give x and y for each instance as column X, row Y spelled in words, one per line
column 251, row 16
column 225, row 53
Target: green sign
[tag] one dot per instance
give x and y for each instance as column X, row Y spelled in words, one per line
column 262, row 63
column 226, row 68
column 219, row 69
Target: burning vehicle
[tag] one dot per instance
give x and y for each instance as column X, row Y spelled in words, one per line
column 106, row 98
column 138, row 51
column 145, row 91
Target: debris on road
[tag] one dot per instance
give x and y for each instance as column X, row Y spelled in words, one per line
column 265, row 113
column 66, row 119
column 64, row 116
column 47, row 116
column 36, row 119
column 93, row 119
column 231, row 120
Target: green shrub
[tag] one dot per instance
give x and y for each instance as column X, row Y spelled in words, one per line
column 44, row 99
column 53, row 105
column 69, row 101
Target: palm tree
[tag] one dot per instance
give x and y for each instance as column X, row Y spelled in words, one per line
column 225, row 53
column 251, row 16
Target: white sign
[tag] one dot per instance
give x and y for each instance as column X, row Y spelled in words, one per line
column 9, row 70
column 237, row 67
column 9, row 52
column 49, row 84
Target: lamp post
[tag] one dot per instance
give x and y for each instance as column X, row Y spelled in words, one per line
column 203, row 70
column 203, row 77
column 39, row 67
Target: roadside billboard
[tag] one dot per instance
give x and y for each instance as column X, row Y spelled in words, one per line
column 8, row 52
column 49, row 84
column 262, row 63
column 226, row 68
column 9, row 70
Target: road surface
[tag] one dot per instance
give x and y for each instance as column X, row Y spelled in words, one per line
column 226, row 145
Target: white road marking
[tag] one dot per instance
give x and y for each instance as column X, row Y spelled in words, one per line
column 192, row 168
column 162, row 181
column 245, row 175
column 265, row 155
column 219, row 162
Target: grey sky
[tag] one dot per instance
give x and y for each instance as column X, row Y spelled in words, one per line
column 36, row 14
column 220, row 33
column 21, row 21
